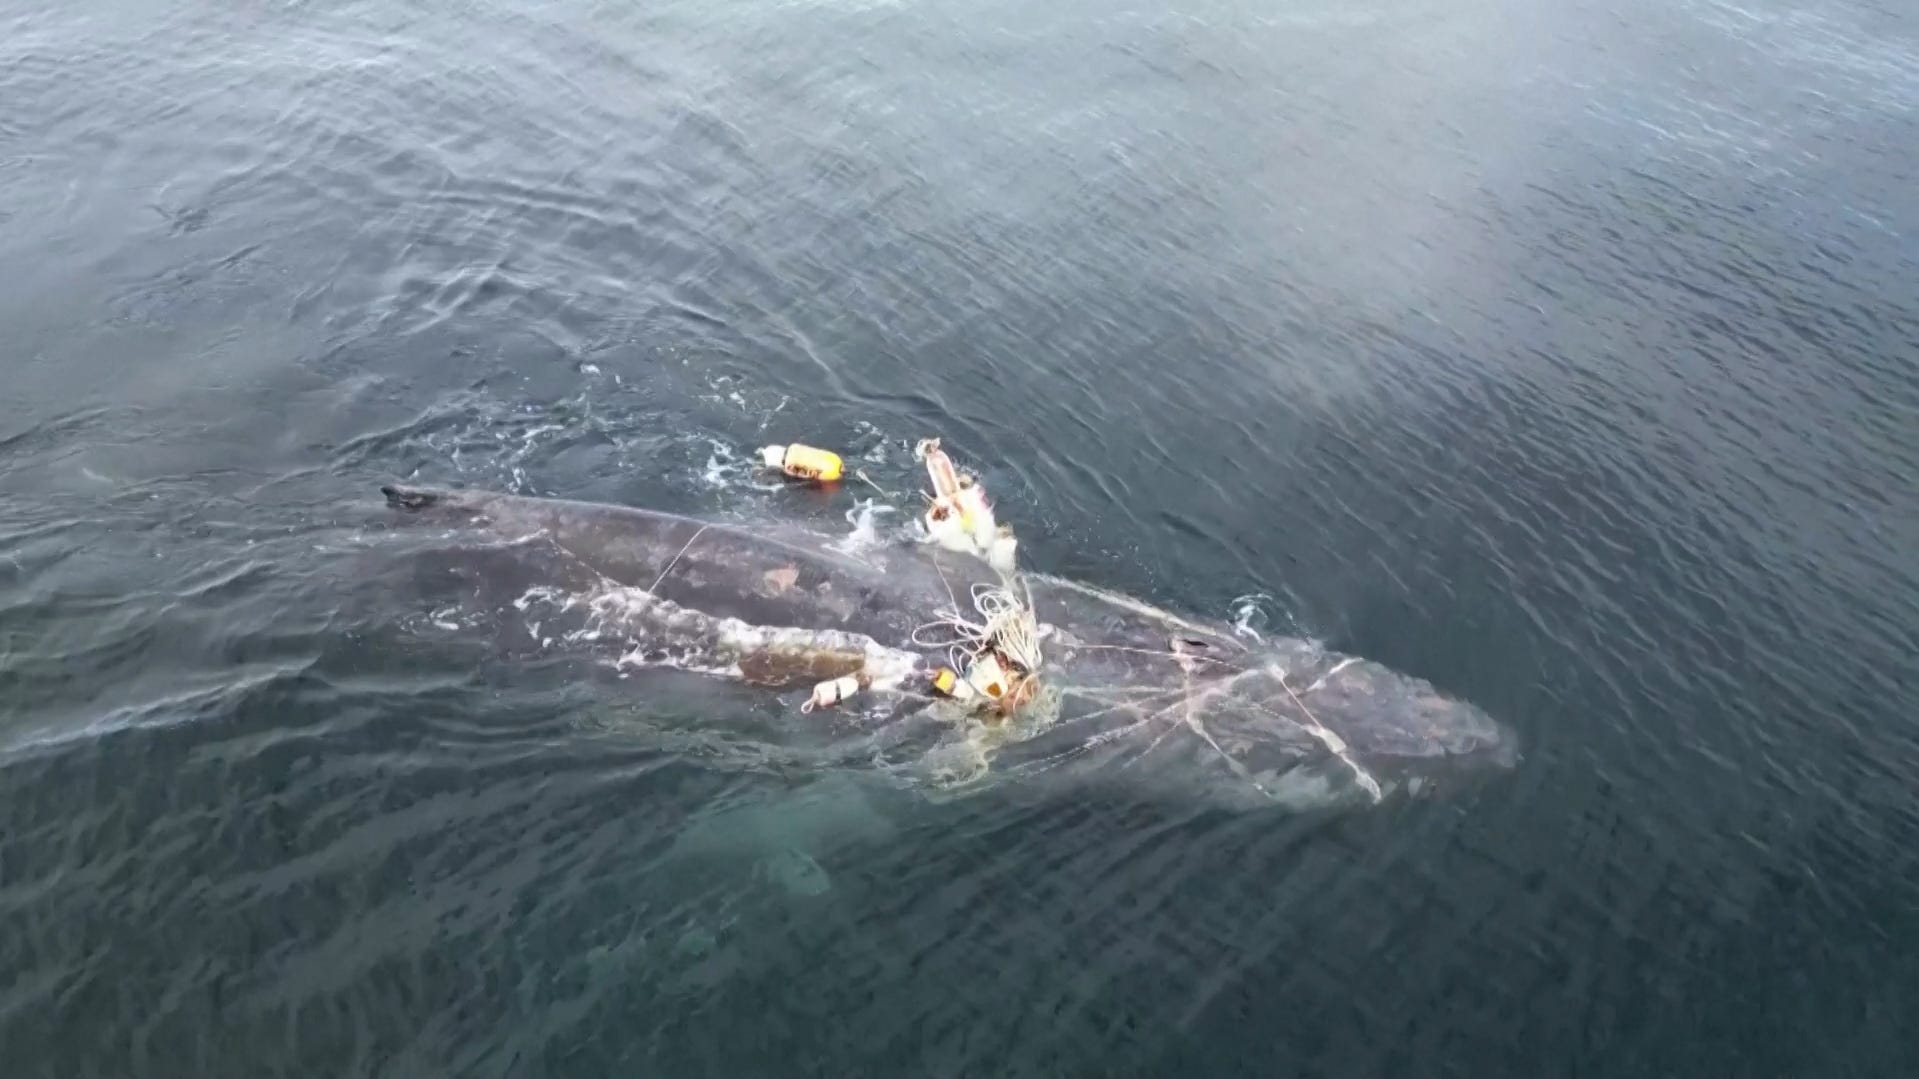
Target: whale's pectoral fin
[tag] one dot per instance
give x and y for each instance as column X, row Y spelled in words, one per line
column 408, row 498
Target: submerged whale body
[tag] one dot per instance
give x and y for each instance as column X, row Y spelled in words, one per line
column 1130, row 693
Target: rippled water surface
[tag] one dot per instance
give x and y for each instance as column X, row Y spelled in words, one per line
column 1560, row 353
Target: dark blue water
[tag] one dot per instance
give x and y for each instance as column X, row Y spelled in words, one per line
column 1564, row 354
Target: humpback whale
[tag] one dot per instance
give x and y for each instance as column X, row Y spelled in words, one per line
column 1129, row 693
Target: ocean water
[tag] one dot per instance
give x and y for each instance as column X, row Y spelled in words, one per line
column 1564, row 354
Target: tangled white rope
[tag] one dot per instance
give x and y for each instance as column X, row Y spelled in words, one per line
column 1006, row 626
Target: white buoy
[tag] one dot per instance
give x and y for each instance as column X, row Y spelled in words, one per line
column 831, row 692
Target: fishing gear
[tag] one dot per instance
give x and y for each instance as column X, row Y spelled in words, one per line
column 803, row 462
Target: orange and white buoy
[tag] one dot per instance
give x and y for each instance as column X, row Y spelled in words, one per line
column 803, row 462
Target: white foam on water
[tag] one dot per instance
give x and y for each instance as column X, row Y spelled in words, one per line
column 728, row 468
column 865, row 536
column 542, row 594
column 1249, row 615
column 451, row 619
column 532, row 435
column 714, row 475
column 878, row 453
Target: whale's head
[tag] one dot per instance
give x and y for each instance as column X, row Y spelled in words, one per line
column 1231, row 721
column 1382, row 730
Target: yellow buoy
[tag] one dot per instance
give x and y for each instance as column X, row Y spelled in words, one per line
column 951, row 684
column 804, row 462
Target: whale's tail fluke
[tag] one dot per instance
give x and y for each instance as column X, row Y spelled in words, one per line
column 409, row 498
